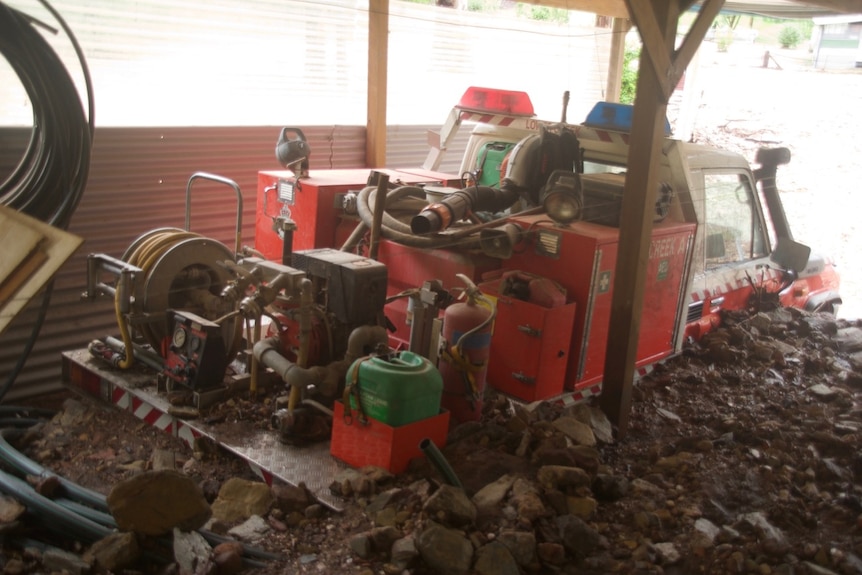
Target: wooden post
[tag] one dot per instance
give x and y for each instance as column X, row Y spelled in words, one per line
column 616, row 59
column 378, row 54
column 660, row 70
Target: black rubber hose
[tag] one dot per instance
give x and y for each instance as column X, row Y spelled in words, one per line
column 50, row 179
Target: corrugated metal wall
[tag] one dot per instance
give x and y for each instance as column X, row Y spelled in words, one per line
column 137, row 183
column 253, row 63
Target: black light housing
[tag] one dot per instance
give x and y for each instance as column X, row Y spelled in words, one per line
column 562, row 197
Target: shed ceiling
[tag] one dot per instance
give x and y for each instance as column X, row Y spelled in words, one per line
column 773, row 8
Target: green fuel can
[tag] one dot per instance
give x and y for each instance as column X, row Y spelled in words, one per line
column 396, row 389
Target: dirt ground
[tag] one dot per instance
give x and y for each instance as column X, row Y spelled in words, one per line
column 814, row 113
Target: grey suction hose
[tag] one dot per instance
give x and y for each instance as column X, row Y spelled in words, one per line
column 81, row 495
column 436, row 457
column 22, row 464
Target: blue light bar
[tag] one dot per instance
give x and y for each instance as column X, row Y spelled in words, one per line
column 615, row 116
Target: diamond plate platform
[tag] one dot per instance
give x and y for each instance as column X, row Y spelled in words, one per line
column 135, row 391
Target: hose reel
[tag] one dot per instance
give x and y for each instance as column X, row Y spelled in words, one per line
column 166, row 269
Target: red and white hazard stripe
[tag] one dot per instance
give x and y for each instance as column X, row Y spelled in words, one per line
column 493, row 119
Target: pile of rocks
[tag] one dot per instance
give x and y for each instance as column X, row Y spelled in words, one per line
column 743, row 456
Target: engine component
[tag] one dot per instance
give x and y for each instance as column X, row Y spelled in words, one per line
column 499, row 242
column 196, row 356
column 293, row 153
column 355, row 285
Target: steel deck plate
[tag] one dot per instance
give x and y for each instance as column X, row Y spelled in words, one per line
column 135, row 390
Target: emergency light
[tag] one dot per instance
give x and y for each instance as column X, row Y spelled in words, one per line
column 489, row 100
column 615, row 116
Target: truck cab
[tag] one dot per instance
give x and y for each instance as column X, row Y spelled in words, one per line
column 742, row 249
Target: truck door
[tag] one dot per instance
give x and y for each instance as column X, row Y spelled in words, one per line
column 732, row 245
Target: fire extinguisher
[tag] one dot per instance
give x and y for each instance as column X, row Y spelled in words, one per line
column 466, row 344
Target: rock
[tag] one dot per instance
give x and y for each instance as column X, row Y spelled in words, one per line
column 361, row 545
column 389, row 498
column 252, row 529
column 383, row 538
column 404, row 552
column 445, row 550
column 815, row 569
column 585, row 457
column 291, row 498
column 771, row 538
column 582, row 507
column 239, row 499
column 667, row 553
column 492, row 495
column 609, row 487
column 74, row 413
column 192, row 553
column 760, row 322
column 669, row 415
column 14, row 566
column 709, row 529
column 450, row 506
column 551, row 553
column 114, row 552
column 521, row 544
column 163, row 459
column 10, row 509
column 823, row 392
column 679, row 461
column 495, row 559
column 602, row 428
column 155, row 502
column 577, row 537
column 644, row 487
column 580, row 433
column 45, row 485
column 565, row 479
column 526, row 499
column 227, row 557
column 57, row 560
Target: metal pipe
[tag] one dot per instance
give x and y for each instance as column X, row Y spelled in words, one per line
column 142, row 354
column 436, row 457
column 357, row 232
column 267, row 352
column 363, row 336
column 379, row 208
column 221, row 180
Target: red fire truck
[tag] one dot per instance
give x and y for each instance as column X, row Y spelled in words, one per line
column 720, row 238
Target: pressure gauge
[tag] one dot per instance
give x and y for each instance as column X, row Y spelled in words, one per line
column 179, row 339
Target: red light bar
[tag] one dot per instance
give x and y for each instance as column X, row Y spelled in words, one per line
column 489, row 100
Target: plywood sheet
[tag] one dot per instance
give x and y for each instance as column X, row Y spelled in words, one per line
column 29, row 268
column 17, row 242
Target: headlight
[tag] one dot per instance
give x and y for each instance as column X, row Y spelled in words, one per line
column 562, row 197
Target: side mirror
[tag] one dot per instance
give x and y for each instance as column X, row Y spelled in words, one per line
column 790, row 255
